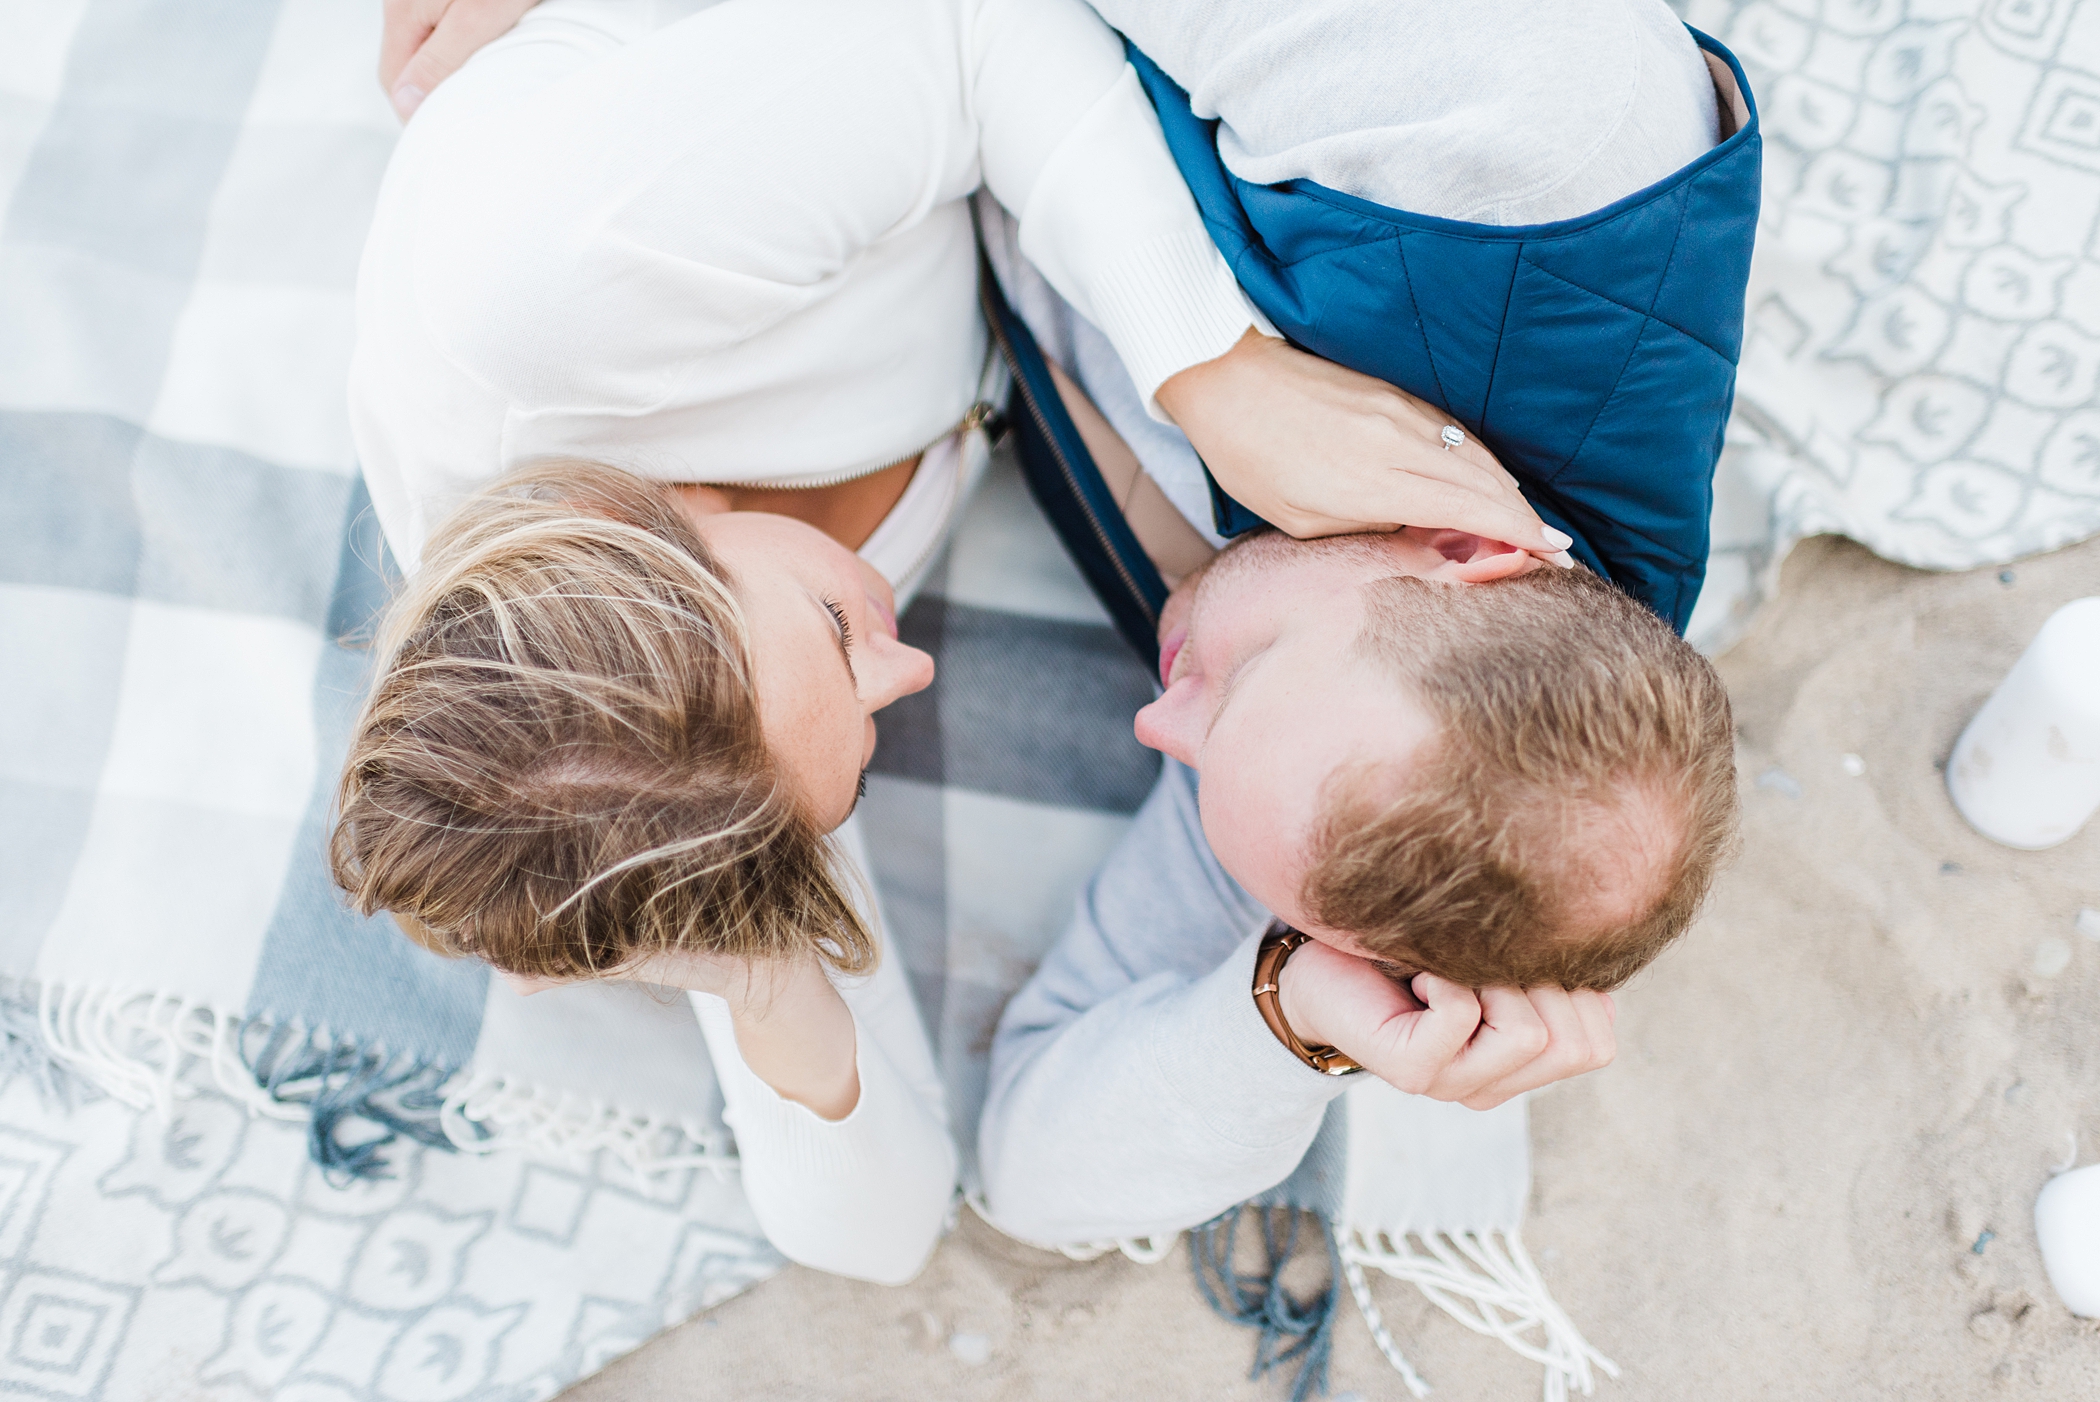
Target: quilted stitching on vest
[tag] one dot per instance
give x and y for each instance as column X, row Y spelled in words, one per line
column 1596, row 356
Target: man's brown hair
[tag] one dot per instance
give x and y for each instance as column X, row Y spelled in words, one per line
column 560, row 768
column 1580, row 797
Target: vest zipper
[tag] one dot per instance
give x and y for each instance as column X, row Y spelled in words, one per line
column 1064, row 465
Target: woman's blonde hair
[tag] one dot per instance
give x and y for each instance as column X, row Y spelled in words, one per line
column 560, row 768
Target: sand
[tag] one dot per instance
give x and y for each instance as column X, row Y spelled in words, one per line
column 1810, row 1172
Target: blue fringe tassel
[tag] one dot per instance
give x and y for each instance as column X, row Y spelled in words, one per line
column 360, row 1102
column 1257, row 1299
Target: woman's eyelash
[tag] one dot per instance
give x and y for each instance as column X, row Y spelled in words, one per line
column 839, row 614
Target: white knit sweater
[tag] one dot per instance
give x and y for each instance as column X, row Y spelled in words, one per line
column 738, row 248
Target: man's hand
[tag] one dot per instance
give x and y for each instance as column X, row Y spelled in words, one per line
column 425, row 42
column 1434, row 1038
column 1315, row 450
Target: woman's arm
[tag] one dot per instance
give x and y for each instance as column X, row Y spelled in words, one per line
column 840, row 1115
column 1072, row 148
column 867, row 1193
column 425, row 41
column 795, row 1033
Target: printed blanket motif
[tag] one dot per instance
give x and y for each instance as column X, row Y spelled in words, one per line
column 1921, row 362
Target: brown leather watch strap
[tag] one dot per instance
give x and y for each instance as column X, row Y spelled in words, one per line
column 1276, row 949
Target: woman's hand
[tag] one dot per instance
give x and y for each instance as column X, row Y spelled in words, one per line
column 1316, row 449
column 1478, row 1049
column 425, row 42
column 795, row 1031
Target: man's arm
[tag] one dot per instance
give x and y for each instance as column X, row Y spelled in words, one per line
column 1134, row 1087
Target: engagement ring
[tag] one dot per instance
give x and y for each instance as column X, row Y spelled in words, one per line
column 1453, row 436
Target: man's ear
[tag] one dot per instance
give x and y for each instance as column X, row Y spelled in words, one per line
column 1473, row 559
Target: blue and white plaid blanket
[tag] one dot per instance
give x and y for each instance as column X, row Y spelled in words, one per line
column 230, row 1140
column 247, row 1140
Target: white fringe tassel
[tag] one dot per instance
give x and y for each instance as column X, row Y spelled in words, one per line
column 1485, row 1281
column 1145, row 1250
column 146, row 1050
column 1359, row 1287
column 137, row 1048
column 486, row 1114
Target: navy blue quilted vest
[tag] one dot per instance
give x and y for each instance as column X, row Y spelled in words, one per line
column 1596, row 356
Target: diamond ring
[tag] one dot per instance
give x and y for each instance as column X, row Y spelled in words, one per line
column 1453, row 436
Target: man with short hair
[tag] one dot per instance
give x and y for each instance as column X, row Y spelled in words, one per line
column 1480, row 790
column 1428, row 797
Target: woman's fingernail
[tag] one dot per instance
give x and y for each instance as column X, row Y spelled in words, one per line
column 1559, row 540
column 407, row 98
column 1564, row 560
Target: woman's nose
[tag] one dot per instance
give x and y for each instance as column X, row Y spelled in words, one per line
column 892, row 669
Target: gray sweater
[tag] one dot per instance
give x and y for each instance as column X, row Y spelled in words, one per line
column 1491, row 111
column 1134, row 1087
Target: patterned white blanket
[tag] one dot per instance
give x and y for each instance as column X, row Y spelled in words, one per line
column 1921, row 369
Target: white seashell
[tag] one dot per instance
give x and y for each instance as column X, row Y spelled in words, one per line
column 2027, row 770
column 2067, row 1226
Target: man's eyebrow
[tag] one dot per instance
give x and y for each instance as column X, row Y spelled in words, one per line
column 1225, row 691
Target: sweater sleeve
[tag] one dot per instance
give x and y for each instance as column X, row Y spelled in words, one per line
column 1134, row 1087
column 866, row 1196
column 1075, row 151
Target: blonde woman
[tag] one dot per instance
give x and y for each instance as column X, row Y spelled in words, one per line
column 622, row 708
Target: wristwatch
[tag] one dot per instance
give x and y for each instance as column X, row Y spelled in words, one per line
column 1276, row 949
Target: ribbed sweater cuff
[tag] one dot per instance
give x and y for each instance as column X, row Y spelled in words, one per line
column 1169, row 304
column 1222, row 1061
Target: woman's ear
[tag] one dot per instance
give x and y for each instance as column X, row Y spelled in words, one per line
column 1472, row 559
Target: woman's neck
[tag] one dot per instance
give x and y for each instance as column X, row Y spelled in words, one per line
column 848, row 512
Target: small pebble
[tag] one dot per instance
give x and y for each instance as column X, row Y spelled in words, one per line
column 1779, row 781
column 2088, row 923
column 1853, row 765
column 973, row 1349
column 1954, row 869
column 2007, row 577
column 2051, row 957
column 1983, row 1238
column 1990, row 1326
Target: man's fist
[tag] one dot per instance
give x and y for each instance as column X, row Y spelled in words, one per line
column 425, row 42
column 1431, row 1037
